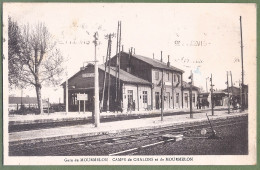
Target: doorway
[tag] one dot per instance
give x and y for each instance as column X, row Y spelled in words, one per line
column 157, row 102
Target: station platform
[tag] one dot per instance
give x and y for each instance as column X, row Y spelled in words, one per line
column 115, row 126
column 70, row 116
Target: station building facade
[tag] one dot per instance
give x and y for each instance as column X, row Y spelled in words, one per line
column 141, row 80
column 130, row 89
column 159, row 74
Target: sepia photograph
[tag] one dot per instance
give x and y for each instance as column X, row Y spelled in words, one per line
column 129, row 83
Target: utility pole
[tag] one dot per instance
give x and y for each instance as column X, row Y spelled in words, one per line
column 228, row 95
column 119, row 58
column 240, row 91
column 104, row 84
column 242, row 65
column 97, row 120
column 207, row 84
column 162, row 98
column 232, row 92
column 118, row 53
column 109, row 62
column 67, row 93
column 191, row 82
column 211, row 92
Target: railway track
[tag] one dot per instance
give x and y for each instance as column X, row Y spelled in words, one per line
column 112, row 143
column 20, row 126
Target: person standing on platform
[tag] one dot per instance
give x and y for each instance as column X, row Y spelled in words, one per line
column 134, row 105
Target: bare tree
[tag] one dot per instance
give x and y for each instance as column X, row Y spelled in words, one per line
column 41, row 61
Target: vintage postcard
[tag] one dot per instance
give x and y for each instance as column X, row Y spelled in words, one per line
column 129, row 83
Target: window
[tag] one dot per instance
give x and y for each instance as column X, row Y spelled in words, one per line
column 186, row 97
column 178, row 78
column 144, row 96
column 193, row 98
column 174, row 78
column 130, row 96
column 74, row 99
column 168, row 76
column 177, row 97
column 156, row 75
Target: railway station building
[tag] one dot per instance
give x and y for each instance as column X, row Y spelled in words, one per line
column 130, row 87
column 141, row 82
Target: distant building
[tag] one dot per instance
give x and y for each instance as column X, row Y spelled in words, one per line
column 15, row 103
column 186, row 94
column 220, row 97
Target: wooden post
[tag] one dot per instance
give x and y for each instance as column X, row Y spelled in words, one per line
column 162, row 99
column 104, row 84
column 228, row 94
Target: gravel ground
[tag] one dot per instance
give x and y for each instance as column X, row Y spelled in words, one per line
column 233, row 141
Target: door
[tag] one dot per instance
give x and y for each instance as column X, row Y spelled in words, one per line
column 186, row 101
column 157, row 98
column 129, row 98
column 167, row 100
column 145, row 101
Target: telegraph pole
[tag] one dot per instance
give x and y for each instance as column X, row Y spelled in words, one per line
column 191, row 82
column 228, row 95
column 97, row 120
column 162, row 100
column 242, row 65
column 211, row 92
column 67, row 93
column 104, row 84
column 206, row 85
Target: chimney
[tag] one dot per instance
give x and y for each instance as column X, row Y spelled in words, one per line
column 122, row 48
column 168, row 63
column 161, row 56
column 134, row 50
column 153, row 55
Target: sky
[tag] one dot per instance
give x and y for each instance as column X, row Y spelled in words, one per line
column 202, row 38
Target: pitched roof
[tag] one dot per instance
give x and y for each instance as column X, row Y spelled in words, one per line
column 25, row 100
column 156, row 63
column 125, row 76
column 187, row 85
